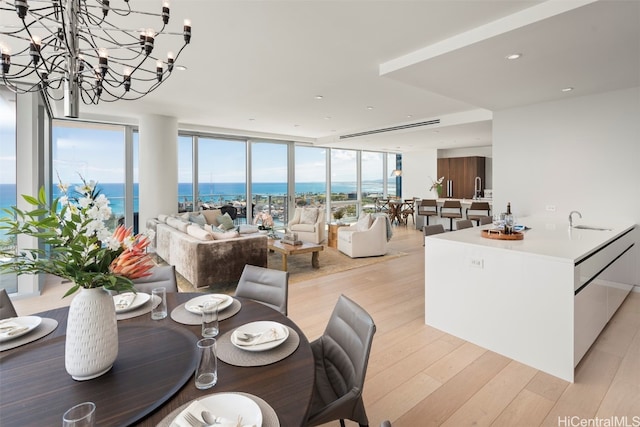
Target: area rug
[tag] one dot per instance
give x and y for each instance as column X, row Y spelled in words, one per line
column 299, row 266
column 331, row 261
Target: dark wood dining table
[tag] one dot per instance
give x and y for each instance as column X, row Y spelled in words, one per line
column 395, row 211
column 152, row 376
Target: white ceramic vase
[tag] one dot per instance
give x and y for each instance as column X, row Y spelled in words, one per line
column 91, row 347
column 435, row 194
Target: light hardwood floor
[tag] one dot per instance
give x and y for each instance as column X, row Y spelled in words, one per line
column 420, row 376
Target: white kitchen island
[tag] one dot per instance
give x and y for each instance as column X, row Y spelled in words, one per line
column 542, row 300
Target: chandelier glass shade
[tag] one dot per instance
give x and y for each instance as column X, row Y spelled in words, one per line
column 68, row 50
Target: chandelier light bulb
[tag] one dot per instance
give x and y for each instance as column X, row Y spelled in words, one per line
column 126, row 73
column 21, row 8
column 170, row 61
column 105, row 7
column 165, row 12
column 148, row 42
column 159, row 70
column 187, row 30
column 103, row 62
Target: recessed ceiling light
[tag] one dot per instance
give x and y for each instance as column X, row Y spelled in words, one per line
column 409, row 116
column 369, row 108
column 181, row 68
column 328, row 118
column 567, row 89
column 251, row 119
column 514, row 56
column 319, row 96
column 296, row 126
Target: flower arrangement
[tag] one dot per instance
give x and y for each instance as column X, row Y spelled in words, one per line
column 264, row 219
column 437, row 184
column 339, row 214
column 77, row 244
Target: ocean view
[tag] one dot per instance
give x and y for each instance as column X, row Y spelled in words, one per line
column 213, row 193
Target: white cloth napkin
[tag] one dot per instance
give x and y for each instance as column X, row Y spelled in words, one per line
column 123, row 301
column 198, row 307
column 271, row 334
column 9, row 328
column 196, row 408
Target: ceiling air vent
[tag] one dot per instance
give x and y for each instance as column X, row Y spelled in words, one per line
column 391, row 129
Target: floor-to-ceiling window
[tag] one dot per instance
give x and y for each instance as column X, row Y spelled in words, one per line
column 394, row 187
column 185, row 173
column 222, row 173
column 372, row 179
column 344, row 181
column 94, row 153
column 8, row 196
column 269, row 180
column 310, row 176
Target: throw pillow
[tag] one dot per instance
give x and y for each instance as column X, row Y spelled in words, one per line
column 210, row 215
column 225, row 221
column 247, row 228
column 226, row 235
column 163, row 218
column 183, row 216
column 308, row 216
column 364, row 222
column 199, row 233
column 197, row 219
column 213, row 229
column 296, row 216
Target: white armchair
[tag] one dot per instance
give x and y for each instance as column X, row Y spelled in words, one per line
column 358, row 241
column 309, row 224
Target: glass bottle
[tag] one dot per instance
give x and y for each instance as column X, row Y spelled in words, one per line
column 508, row 220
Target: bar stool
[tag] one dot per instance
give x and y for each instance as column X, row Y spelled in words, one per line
column 461, row 224
column 475, row 208
column 454, row 211
column 430, row 230
column 428, row 207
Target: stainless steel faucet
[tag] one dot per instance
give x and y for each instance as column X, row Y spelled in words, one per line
column 571, row 217
column 477, row 187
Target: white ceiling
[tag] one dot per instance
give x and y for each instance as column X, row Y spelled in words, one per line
column 255, row 67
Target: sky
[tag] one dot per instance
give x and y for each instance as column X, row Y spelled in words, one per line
column 98, row 154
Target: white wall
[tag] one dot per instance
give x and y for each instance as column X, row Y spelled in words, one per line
column 580, row 154
column 418, row 168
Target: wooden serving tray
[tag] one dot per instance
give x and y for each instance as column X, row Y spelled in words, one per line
column 492, row 234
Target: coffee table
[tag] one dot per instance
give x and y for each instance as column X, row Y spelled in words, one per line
column 287, row 250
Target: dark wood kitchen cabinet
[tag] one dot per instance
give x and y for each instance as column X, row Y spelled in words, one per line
column 461, row 172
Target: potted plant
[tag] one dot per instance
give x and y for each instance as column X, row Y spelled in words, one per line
column 338, row 215
column 76, row 245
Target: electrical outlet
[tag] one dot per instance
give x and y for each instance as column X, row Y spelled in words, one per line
column 551, row 208
column 477, row 262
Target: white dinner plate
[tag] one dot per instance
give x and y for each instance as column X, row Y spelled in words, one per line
column 228, row 407
column 194, row 305
column 140, row 299
column 263, row 326
column 15, row 327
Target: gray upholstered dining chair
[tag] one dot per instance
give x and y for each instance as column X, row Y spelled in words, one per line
column 461, row 224
column 6, row 306
column 385, row 423
column 341, row 357
column 265, row 285
column 430, row 230
column 161, row 276
column 484, row 220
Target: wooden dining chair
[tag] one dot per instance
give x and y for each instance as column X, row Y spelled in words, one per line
column 408, row 209
column 6, row 306
column 342, row 356
column 463, row 223
column 478, row 210
column 427, row 208
column 265, row 285
column 451, row 209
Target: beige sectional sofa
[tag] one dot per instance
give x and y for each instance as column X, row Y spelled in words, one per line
column 204, row 258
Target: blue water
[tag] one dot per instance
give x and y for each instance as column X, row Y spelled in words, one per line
column 209, row 192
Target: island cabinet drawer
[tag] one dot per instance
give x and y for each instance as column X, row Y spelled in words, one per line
column 588, row 268
column 597, row 297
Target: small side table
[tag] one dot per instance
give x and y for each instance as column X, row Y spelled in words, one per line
column 332, row 241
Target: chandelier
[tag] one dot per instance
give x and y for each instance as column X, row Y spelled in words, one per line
column 67, row 50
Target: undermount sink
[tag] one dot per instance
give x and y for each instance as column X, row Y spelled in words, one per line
column 590, row 227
